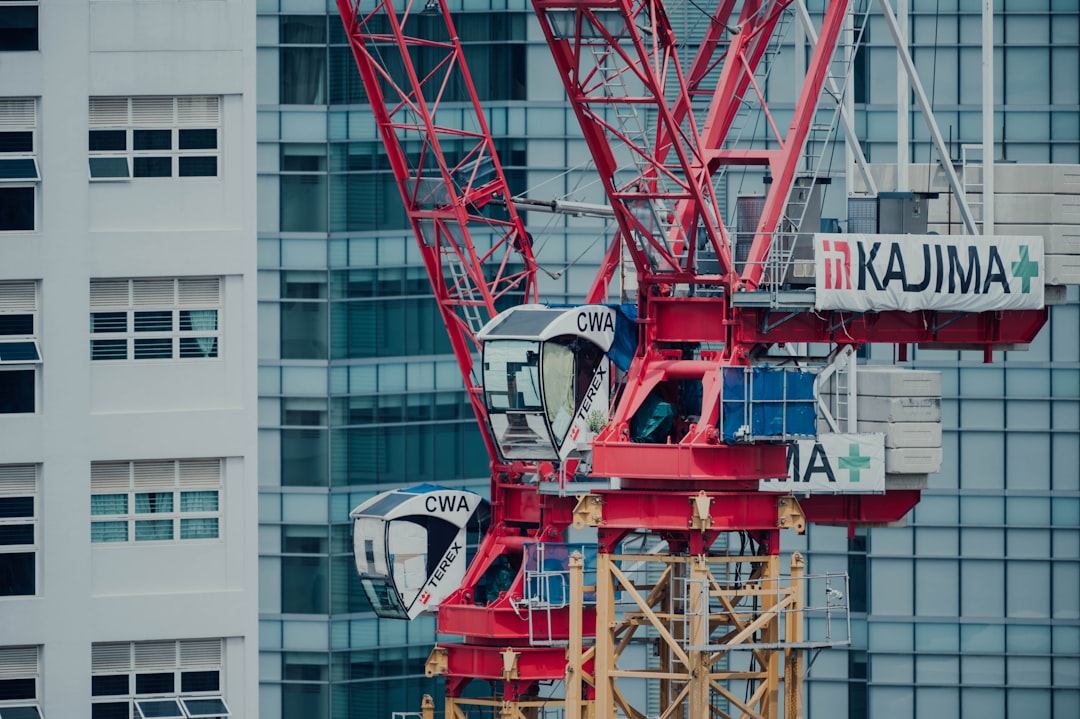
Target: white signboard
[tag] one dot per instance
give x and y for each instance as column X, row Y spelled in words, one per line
column 954, row 273
column 834, row 463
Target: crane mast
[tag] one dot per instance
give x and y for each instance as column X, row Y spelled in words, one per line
column 707, row 326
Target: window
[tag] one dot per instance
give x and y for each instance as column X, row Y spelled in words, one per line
column 303, row 69
column 18, row 532
column 303, row 318
column 493, row 45
column 144, row 137
column 179, row 679
column 155, row 319
column 19, row 173
column 19, row 671
column 19, row 353
column 155, row 501
column 18, row 25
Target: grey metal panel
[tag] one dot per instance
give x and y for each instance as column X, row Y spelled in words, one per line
column 862, row 215
column 524, row 324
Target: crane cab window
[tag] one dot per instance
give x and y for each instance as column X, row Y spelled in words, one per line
column 568, row 368
column 512, row 376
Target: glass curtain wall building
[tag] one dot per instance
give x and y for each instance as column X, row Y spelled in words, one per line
column 971, row 610
column 359, row 391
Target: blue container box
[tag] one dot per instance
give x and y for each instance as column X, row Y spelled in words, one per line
column 767, row 403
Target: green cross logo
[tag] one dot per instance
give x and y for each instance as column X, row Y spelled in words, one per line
column 853, row 463
column 1025, row 269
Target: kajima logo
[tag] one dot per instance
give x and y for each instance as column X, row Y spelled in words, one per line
column 939, row 268
column 837, row 256
column 963, row 273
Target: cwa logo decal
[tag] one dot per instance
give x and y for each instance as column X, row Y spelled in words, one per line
column 868, row 273
column 596, row 321
column 446, row 503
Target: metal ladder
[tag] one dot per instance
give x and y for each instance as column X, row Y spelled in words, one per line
column 835, row 87
column 463, row 291
column 630, row 124
column 842, row 415
column 972, row 175
column 816, row 148
column 743, row 114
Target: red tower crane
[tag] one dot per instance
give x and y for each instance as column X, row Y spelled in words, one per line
column 659, row 136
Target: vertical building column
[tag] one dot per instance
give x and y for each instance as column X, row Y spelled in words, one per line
column 903, row 105
column 988, row 116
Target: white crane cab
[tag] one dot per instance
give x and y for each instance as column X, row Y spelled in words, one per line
column 547, row 376
column 411, row 546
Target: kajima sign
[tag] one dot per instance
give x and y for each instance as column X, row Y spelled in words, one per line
column 869, row 273
column 833, row 463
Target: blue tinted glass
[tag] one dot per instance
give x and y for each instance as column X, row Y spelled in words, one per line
column 156, row 348
column 108, row 321
column 104, row 167
column 156, row 683
column 152, row 139
column 108, row 349
column 112, row 710
column 198, row 167
column 18, row 169
column 108, row 140
column 109, row 685
column 20, row 713
column 205, row 707
column 16, row 507
column 11, row 534
column 198, row 139
column 20, row 141
column 18, row 352
column 159, row 709
column 153, row 167
column 159, row 321
column 16, row 208
column 16, row 324
column 209, row 681
column 198, row 347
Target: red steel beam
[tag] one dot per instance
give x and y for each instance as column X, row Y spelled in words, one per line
column 786, row 159
column 467, row 279
column 672, row 511
column 648, row 64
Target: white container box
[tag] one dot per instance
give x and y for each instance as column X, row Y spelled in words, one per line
column 1062, row 269
column 899, row 409
column 906, row 434
column 897, row 382
column 912, row 460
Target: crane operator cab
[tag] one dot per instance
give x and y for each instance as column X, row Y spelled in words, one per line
column 547, row 376
column 411, row 546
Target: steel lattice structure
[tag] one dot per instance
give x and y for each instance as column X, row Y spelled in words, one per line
column 659, row 137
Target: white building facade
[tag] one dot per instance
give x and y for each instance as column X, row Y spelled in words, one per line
column 127, row 359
